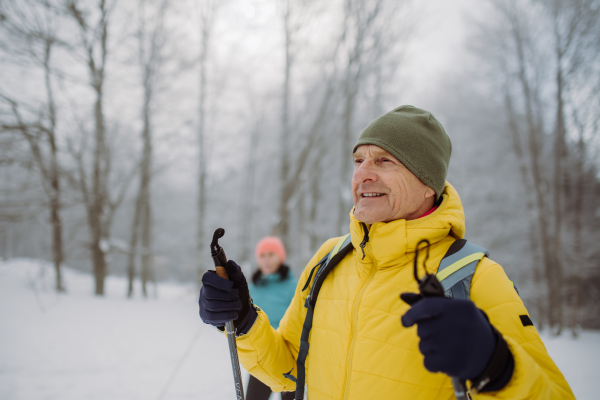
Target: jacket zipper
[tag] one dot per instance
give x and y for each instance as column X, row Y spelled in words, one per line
column 355, row 318
column 365, row 239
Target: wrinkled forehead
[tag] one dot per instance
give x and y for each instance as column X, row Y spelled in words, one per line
column 371, row 150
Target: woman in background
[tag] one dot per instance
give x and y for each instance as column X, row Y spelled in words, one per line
column 272, row 289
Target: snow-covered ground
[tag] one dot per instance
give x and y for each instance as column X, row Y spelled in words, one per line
column 77, row 346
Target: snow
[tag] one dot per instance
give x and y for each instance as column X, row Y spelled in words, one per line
column 579, row 361
column 78, row 346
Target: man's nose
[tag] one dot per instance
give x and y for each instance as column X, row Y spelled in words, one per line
column 365, row 172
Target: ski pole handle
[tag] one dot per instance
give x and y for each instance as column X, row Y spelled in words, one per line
column 221, row 271
column 218, row 254
column 220, row 259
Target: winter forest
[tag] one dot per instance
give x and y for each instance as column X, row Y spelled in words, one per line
column 131, row 130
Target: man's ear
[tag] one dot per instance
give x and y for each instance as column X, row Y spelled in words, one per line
column 429, row 192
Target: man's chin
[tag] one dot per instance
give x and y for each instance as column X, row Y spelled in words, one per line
column 366, row 217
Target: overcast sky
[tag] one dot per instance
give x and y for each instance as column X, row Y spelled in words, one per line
column 439, row 45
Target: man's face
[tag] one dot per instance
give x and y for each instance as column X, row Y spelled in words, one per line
column 385, row 190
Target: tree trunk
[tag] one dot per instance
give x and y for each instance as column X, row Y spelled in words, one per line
column 551, row 263
column 575, row 303
column 553, row 281
column 98, row 196
column 54, row 177
column 345, row 193
column 282, row 227
column 205, row 41
column 146, row 175
column 248, row 199
column 315, row 177
column 98, row 257
column 524, row 172
column 133, row 242
column 351, row 84
column 559, row 151
column 57, row 243
column 147, row 253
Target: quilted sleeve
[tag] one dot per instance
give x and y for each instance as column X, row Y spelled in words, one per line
column 535, row 376
column 269, row 353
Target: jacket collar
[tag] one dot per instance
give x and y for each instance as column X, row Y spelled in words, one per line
column 388, row 242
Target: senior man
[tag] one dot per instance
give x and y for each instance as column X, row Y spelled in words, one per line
column 366, row 343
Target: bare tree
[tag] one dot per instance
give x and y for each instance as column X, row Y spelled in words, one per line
column 580, row 167
column 247, row 206
column 522, row 51
column 207, row 13
column 315, row 174
column 575, row 30
column 579, row 177
column 90, row 47
column 30, row 29
column 534, row 134
column 151, row 39
column 295, row 16
column 290, row 12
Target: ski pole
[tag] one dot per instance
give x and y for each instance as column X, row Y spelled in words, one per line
column 430, row 286
column 220, row 259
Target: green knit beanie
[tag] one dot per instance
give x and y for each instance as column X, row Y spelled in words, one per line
column 417, row 139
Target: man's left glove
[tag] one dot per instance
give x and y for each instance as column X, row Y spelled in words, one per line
column 223, row 300
column 458, row 340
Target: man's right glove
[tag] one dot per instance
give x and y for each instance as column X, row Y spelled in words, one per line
column 223, row 300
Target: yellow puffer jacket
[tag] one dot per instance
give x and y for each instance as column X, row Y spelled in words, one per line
column 358, row 347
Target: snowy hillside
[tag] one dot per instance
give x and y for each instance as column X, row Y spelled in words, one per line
column 79, row 347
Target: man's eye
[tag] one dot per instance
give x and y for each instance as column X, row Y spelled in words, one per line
column 357, row 161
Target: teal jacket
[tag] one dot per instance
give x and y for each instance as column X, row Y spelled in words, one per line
column 273, row 295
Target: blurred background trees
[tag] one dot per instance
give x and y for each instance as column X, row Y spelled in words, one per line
column 542, row 59
column 129, row 131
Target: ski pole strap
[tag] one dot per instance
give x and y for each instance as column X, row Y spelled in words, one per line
column 339, row 251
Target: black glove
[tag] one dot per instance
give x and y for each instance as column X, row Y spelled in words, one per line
column 458, row 340
column 223, row 300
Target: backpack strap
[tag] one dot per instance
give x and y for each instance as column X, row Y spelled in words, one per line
column 323, row 267
column 458, row 266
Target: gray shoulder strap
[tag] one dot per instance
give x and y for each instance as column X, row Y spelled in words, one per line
column 458, row 266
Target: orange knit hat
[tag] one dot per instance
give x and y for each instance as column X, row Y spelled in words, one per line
column 270, row 244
